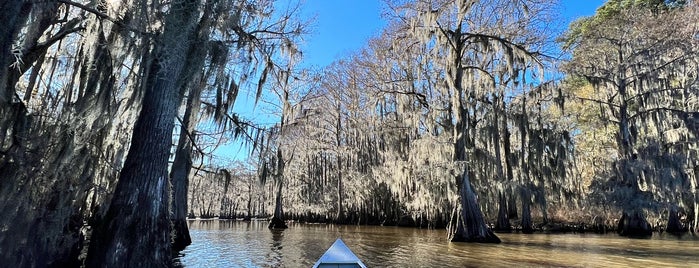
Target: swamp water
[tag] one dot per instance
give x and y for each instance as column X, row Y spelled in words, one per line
column 218, row 243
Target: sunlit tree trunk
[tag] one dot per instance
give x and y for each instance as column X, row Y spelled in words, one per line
column 470, row 225
column 136, row 228
column 340, row 217
column 633, row 221
column 524, row 173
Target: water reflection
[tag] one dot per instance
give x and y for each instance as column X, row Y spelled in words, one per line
column 251, row 244
column 276, row 255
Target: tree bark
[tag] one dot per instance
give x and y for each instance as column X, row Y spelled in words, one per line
column 471, row 225
column 526, row 212
column 11, row 20
column 136, row 229
column 340, row 217
column 179, row 173
column 503, row 222
column 12, row 16
column 277, row 221
column 674, row 225
column 634, row 224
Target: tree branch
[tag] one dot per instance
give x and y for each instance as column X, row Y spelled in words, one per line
column 100, row 15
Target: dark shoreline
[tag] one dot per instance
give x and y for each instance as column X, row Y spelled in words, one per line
column 540, row 228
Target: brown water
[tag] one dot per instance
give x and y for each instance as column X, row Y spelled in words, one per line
column 250, row 244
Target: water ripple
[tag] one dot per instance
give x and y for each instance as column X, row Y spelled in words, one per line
column 251, row 244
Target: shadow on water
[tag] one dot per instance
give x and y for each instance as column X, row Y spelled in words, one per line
column 276, row 256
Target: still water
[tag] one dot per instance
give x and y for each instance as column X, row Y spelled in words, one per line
column 250, row 244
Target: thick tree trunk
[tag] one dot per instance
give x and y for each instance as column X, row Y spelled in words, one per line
column 634, row 224
column 674, row 225
column 277, row 221
column 191, row 80
column 248, row 216
column 503, row 222
column 526, row 213
column 471, row 226
column 512, row 206
column 11, row 20
column 136, row 229
column 179, row 173
column 12, row 16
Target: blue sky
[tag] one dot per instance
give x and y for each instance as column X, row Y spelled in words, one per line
column 344, row 26
column 341, row 27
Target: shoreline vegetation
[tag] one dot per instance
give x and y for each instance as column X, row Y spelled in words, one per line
column 407, row 222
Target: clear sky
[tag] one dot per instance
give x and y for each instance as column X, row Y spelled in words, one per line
column 341, row 27
column 344, row 26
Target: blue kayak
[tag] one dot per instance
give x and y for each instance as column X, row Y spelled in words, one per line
column 339, row 256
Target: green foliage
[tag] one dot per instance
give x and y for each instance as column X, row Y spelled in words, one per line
column 609, row 13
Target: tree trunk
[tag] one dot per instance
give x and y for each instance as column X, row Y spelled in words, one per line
column 192, row 80
column 634, row 224
column 695, row 190
column 503, row 222
column 471, row 226
column 277, row 221
column 136, row 229
column 526, row 212
column 674, row 225
column 340, row 218
column 179, row 173
column 12, row 16
column 249, row 212
column 11, row 20
column 512, row 206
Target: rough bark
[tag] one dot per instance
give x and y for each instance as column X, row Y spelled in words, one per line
column 340, row 217
column 136, row 229
column 182, row 164
column 526, row 213
column 12, row 16
column 179, row 173
column 512, row 206
column 674, row 225
column 634, row 224
column 277, row 221
column 11, row 20
column 471, row 225
column 503, row 222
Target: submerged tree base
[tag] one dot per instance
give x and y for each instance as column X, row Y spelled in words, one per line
column 489, row 237
column 181, row 238
column 277, row 223
column 674, row 225
column 634, row 225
